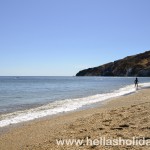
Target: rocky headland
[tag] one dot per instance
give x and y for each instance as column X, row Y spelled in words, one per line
column 136, row 65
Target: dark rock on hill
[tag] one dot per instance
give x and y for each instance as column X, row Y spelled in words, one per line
column 136, row 65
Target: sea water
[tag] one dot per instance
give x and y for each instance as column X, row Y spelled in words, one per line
column 28, row 98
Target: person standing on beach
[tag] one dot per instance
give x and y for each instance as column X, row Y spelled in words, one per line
column 136, row 82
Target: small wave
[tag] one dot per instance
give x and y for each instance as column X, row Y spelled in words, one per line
column 63, row 106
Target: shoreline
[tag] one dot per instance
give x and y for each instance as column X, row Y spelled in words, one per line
column 44, row 130
column 99, row 104
column 62, row 107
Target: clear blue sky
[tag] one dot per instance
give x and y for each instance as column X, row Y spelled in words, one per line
column 61, row 37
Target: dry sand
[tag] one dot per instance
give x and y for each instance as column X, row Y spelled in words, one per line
column 125, row 117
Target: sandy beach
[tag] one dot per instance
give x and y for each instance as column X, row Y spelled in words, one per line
column 124, row 117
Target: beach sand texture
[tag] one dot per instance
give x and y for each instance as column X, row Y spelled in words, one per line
column 126, row 117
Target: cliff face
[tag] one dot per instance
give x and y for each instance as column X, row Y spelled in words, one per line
column 137, row 65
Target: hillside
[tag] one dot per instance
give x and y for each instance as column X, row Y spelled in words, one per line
column 136, row 65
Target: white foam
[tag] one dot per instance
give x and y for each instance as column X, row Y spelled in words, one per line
column 63, row 106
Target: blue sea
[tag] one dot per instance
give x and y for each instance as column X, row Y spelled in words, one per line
column 27, row 98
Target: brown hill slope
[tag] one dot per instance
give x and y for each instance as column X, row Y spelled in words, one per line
column 136, row 65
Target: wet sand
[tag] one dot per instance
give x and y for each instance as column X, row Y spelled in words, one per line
column 126, row 117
